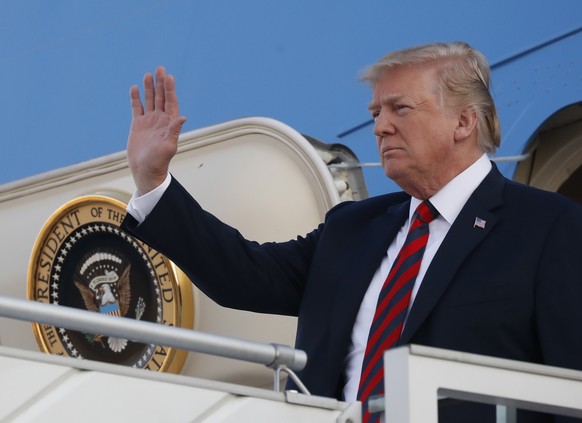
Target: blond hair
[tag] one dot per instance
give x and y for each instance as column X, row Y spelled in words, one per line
column 463, row 80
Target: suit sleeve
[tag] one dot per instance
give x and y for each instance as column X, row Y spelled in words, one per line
column 559, row 292
column 231, row 270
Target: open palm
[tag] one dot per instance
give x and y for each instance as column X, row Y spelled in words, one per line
column 153, row 137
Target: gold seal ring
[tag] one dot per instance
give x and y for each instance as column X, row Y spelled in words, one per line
column 82, row 259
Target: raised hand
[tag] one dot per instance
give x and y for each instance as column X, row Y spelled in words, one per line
column 153, row 137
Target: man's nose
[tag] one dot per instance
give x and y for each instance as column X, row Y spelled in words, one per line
column 383, row 125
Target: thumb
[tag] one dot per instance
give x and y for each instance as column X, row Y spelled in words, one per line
column 177, row 126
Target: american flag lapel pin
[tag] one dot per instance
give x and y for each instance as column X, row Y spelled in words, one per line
column 479, row 223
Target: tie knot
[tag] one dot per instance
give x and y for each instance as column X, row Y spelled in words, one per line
column 426, row 212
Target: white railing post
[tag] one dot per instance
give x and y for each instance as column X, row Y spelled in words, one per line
column 406, row 400
column 506, row 414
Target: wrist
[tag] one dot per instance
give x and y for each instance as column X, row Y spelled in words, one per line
column 147, row 184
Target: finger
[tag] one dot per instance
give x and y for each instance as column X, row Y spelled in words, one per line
column 160, row 94
column 136, row 106
column 148, row 88
column 171, row 97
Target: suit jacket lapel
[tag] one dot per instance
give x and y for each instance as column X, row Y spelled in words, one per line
column 360, row 269
column 462, row 238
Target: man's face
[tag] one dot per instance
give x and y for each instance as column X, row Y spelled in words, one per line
column 414, row 130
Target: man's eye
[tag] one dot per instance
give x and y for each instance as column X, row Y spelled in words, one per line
column 401, row 106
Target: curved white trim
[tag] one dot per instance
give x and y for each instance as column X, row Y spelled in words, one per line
column 189, row 140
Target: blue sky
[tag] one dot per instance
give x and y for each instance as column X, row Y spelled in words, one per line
column 68, row 65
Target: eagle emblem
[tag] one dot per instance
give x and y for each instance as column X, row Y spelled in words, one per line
column 104, row 284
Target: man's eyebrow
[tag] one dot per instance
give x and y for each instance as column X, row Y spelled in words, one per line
column 389, row 98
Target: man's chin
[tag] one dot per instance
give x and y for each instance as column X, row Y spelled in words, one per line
column 393, row 172
column 398, row 175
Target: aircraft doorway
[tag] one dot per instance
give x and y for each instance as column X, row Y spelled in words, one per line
column 555, row 160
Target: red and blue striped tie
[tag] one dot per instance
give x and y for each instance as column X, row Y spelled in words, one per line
column 393, row 305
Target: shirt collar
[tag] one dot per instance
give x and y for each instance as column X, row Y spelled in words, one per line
column 451, row 198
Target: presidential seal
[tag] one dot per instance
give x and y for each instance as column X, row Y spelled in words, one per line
column 82, row 259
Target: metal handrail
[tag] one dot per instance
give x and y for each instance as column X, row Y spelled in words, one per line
column 275, row 356
column 502, row 159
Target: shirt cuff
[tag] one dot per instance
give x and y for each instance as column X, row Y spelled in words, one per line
column 140, row 206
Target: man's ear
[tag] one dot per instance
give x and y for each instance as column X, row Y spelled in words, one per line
column 466, row 124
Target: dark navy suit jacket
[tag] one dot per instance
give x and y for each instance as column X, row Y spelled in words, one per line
column 512, row 289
